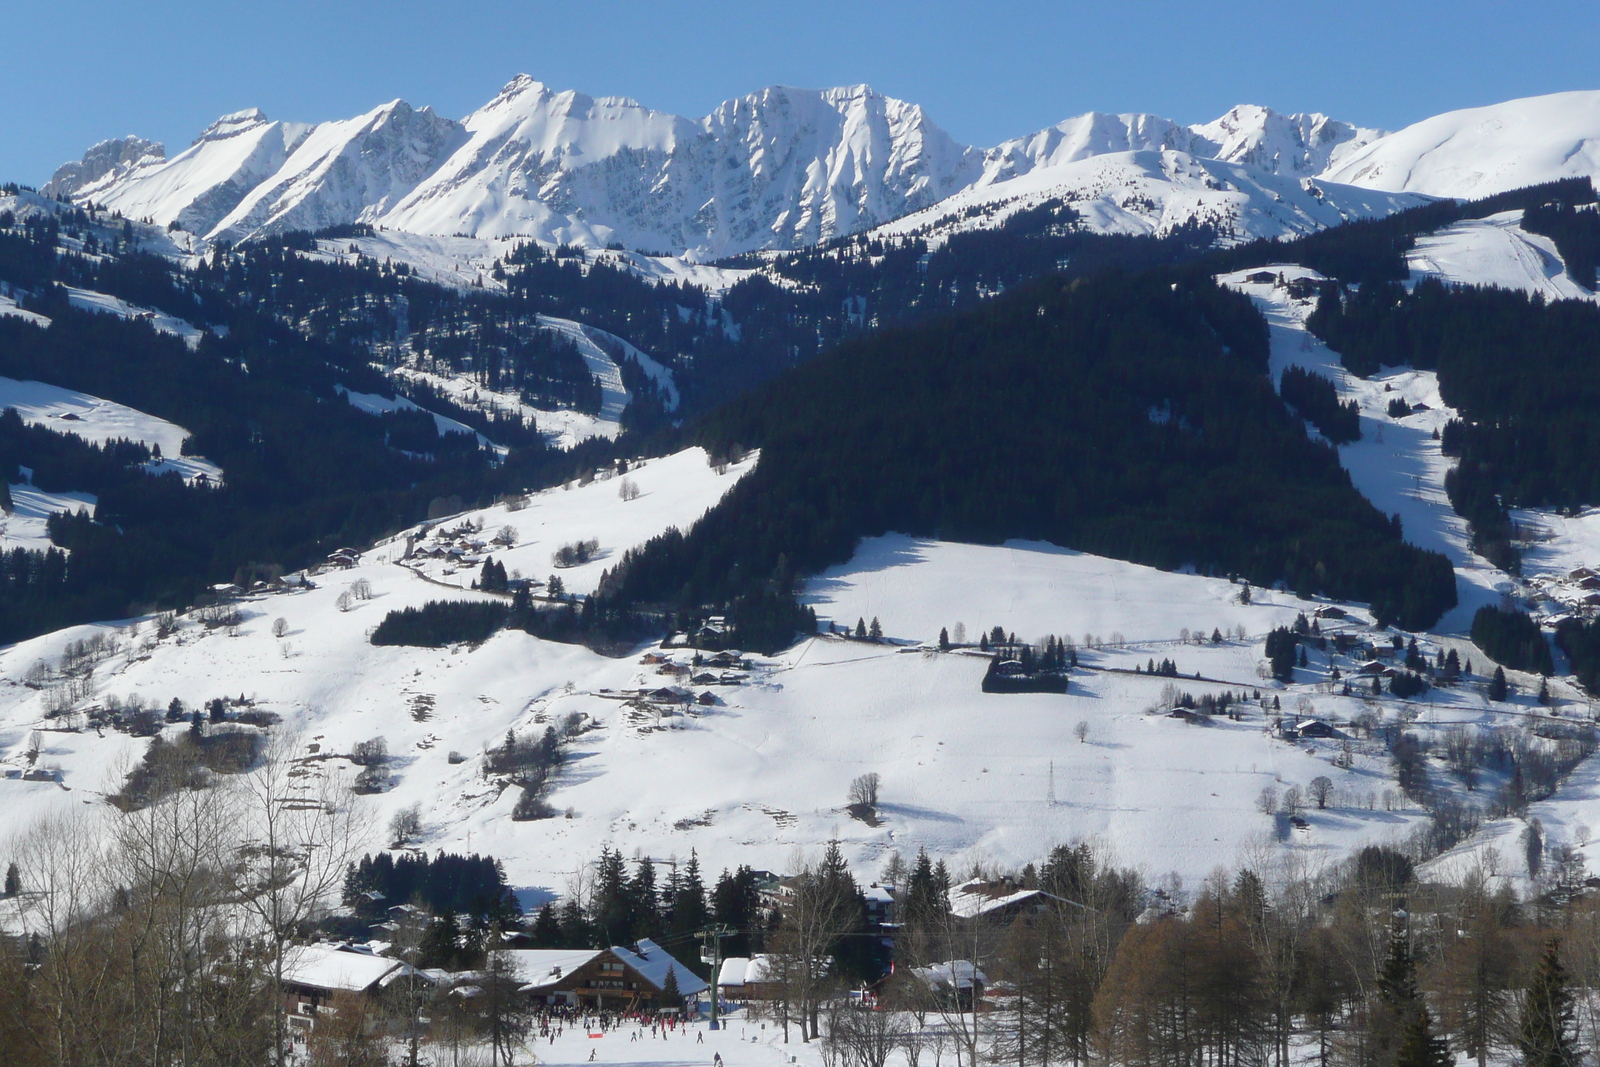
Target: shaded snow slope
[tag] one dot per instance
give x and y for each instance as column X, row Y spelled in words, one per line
column 199, row 186
column 104, row 304
column 1483, row 150
column 26, row 524
column 354, row 169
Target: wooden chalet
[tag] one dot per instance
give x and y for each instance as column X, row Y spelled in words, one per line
column 609, row 979
column 320, row 978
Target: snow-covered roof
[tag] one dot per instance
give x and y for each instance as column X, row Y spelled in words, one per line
column 954, row 974
column 653, row 962
column 977, row 898
column 746, row 970
column 539, row 968
column 337, row 967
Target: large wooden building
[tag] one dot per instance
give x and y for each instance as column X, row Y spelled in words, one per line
column 606, row 979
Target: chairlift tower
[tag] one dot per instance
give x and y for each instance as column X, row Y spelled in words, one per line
column 711, row 952
column 1050, row 797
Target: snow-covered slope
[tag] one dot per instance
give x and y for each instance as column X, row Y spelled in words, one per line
column 1483, row 150
column 1495, row 251
column 199, row 186
column 97, row 421
column 1155, row 192
column 1258, row 137
column 779, row 168
column 340, row 171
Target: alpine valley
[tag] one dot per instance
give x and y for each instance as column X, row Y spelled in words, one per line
column 573, row 477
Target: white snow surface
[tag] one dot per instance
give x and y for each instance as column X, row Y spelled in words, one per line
column 378, row 404
column 1154, row 192
column 24, row 526
column 1483, row 150
column 762, row 772
column 97, row 421
column 1397, row 464
column 8, row 306
column 1495, row 251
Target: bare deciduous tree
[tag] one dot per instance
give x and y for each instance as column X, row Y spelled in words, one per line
column 864, row 790
column 280, row 627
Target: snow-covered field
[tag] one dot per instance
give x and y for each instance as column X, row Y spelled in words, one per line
column 763, row 770
column 97, row 421
column 1495, row 251
column 25, row 525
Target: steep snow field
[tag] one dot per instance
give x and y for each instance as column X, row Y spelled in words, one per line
column 98, row 421
column 1397, row 464
column 1495, row 251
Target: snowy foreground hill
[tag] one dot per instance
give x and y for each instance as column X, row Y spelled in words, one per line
column 787, row 168
column 757, row 766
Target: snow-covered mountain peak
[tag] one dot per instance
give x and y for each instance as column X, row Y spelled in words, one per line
column 1301, row 144
column 233, row 125
column 114, row 157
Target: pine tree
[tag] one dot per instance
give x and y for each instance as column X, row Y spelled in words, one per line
column 861, row 628
column 875, row 632
column 1418, row 1046
column 1547, row 1032
column 1397, row 980
column 13, row 880
column 944, row 639
column 1498, row 689
column 671, row 997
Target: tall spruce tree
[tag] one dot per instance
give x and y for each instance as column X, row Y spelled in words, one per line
column 1547, row 1031
column 1397, row 980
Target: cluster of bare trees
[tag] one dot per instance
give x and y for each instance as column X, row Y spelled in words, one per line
column 159, row 936
column 1361, row 962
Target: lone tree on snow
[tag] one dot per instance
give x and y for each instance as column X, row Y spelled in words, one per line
column 280, row 626
column 864, row 790
column 1081, row 731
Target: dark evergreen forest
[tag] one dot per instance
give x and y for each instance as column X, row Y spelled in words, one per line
column 1124, row 415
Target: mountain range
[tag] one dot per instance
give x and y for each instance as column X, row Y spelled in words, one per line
column 785, row 168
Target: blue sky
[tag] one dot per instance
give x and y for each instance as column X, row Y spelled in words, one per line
column 75, row 71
